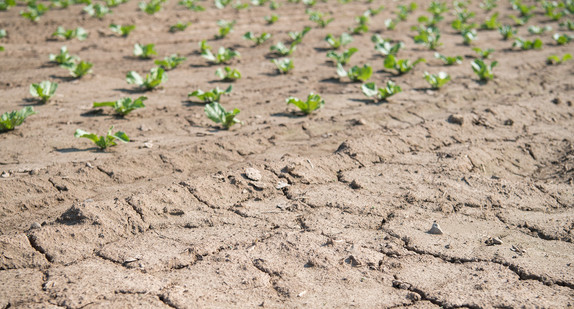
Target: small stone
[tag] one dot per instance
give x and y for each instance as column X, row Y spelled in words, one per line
column 5, row 175
column 280, row 185
column 34, row 172
column 355, row 185
column 456, row 119
column 88, row 164
column 492, row 241
column 252, row 174
column 148, row 145
column 508, row 122
column 35, row 225
column 258, row 185
column 435, row 229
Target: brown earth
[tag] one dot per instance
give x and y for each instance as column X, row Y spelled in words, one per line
column 181, row 225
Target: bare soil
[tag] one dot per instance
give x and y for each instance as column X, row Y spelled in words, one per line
column 181, row 225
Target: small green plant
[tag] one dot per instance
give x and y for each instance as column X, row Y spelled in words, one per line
column 362, row 25
column 282, row 50
column 429, row 37
column 213, row 95
column 122, row 30
column 271, row 19
column 221, row 4
column 402, row 66
column 224, row 55
column 488, row 5
column 156, row 77
column 378, row 94
column 3, row 33
column 483, row 70
column 171, row 62
column 437, row 80
column 225, row 27
column 554, row 59
column 284, row 65
column 80, row 69
column 10, row 120
column 180, row 26
column 297, row 37
column 113, row 3
column 520, row 21
column 437, row 8
column 97, row 10
column 6, row 4
column 319, row 18
column 562, row 39
column 44, row 90
column 105, row 141
column 144, row 51
column 337, row 42
column 258, row 40
column 239, row 6
column 204, row 47
column 374, row 12
column 123, row 106
column 34, row 11
column 483, row 53
column 151, row 7
column 539, row 30
column 385, row 47
column 344, row 57
column 79, row 33
column 468, row 36
column 314, row 102
column 228, row 74
column 356, row 73
column 507, row 31
column 527, row 44
column 447, row 60
column 192, row 5
column 406, row 10
column 391, row 24
column 63, row 58
column 218, row 114
column 568, row 25
column 491, row 23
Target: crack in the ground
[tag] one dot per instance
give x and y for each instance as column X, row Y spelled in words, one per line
column 166, row 301
column 34, row 244
column 274, row 278
column 136, row 208
column 426, row 296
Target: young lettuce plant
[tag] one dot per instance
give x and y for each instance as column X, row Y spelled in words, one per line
column 218, row 114
column 192, row 5
column 491, row 23
column 468, row 36
column 437, row 80
column 228, row 74
column 79, row 33
column 483, row 53
column 527, row 44
column 204, row 47
column 6, row 4
column 63, row 58
column 538, row 30
column 402, row 66
column 297, row 37
column 122, row 30
column 483, row 70
column 562, row 39
column 224, row 55
column 105, row 141
column 151, row 7
column 362, row 25
column 34, row 11
column 282, row 50
column 258, row 40
column 507, row 32
column 447, row 60
column 554, row 59
column 123, row 106
column 385, row 47
column 284, row 66
column 156, row 77
column 10, row 120
column 44, row 90
column 211, row 96
column 356, row 73
column 568, row 24
column 319, row 18
column 379, row 94
column 271, row 19
column 179, row 27
column 225, row 27
column 171, row 62
column 221, row 4
column 391, row 24
column 488, row 5
column 337, row 42
column 344, row 57
column 144, row 51
column 314, row 102
column 97, row 10
column 80, row 69
column 429, row 37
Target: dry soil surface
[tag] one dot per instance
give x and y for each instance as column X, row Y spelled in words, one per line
column 337, row 210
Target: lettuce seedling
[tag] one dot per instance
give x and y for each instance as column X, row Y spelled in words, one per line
column 192, row 5
column 314, row 102
column 297, row 37
column 309, row 3
column 430, row 22
column 379, row 94
column 105, row 141
column 80, row 69
column 60, row 4
column 391, row 24
column 468, row 36
column 429, row 37
column 344, row 57
column 491, row 23
column 79, row 33
column 10, row 120
column 3, row 33
column 507, row 31
column 374, row 12
column 144, row 51
column 483, row 53
column 568, row 24
column 6, row 4
column 437, row 80
column 447, row 60
column 319, row 18
column 273, row 18
column 404, row 10
column 220, row 4
column 337, row 42
column 151, row 7
column 228, row 74
column 258, row 40
column 401, row 65
column 386, row 48
column 179, row 27
column 284, row 65
column 204, row 47
column 259, row 2
column 483, row 70
column 123, row 30
column 63, row 58
column 156, row 77
column 1, row 48
column 356, row 73
column 225, row 27
column 115, row 3
column 211, row 96
column 171, row 62
column 239, row 6
column 97, row 10
column 282, row 50
column 224, row 55
column 520, row 21
column 437, row 8
column 527, row 44
column 218, row 114
column 562, row 39
column 44, row 90
column 123, row 106
column 34, row 11
column 274, row 5
column 554, row 59
column 488, row 5
column 539, row 30
column 363, row 25
column 461, row 27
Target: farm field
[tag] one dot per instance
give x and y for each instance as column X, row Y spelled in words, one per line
column 286, row 210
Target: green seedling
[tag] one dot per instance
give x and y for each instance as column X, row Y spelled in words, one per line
column 483, row 53
column 258, row 40
column 568, row 24
column 314, row 102
column 271, row 19
column 539, row 30
column 79, row 33
column 319, row 18
column 151, row 7
column 386, row 48
column 225, row 27
column 356, row 73
column 171, row 62
column 221, row 4
column 63, row 58
column 468, row 36
column 391, row 24
column 114, row 3
column 97, row 10
column 507, row 32
column 525, row 10
column 447, row 60
column 483, row 70
column 527, row 44
column 297, row 37
column 430, row 22
column 283, row 65
column 122, row 30
column 6, row 4
column 224, row 55
column 259, row 2
column 491, row 23
column 60, row 4
column 10, row 120
column 204, row 47
column 228, row 74
column 105, row 141
column 80, row 69
column 239, row 6
column 562, row 39
column 337, row 42
column 274, row 5
column 179, row 27
column 406, row 10
column 218, row 114
column 437, row 80
column 282, row 50
column 123, row 106
column 156, row 77
column 374, row 12
column 192, row 5
column 3, row 33
column 520, row 21
column 488, row 5
column 464, row 15
column 380, row 94
column 34, row 11
column 363, row 25
column 44, row 90
column 437, row 8
column 309, row 3
column 342, row 58
column 402, row 66
column 461, row 27
column 210, row 96
column 554, row 59
column 429, row 37
column 144, row 51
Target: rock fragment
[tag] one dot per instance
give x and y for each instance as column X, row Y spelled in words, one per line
column 252, row 174
column 456, row 119
column 435, row 229
column 491, row 241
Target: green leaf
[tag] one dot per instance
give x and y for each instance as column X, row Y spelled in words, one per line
column 314, row 102
column 10, row 120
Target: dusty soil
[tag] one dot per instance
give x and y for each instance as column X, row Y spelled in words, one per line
column 181, row 225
